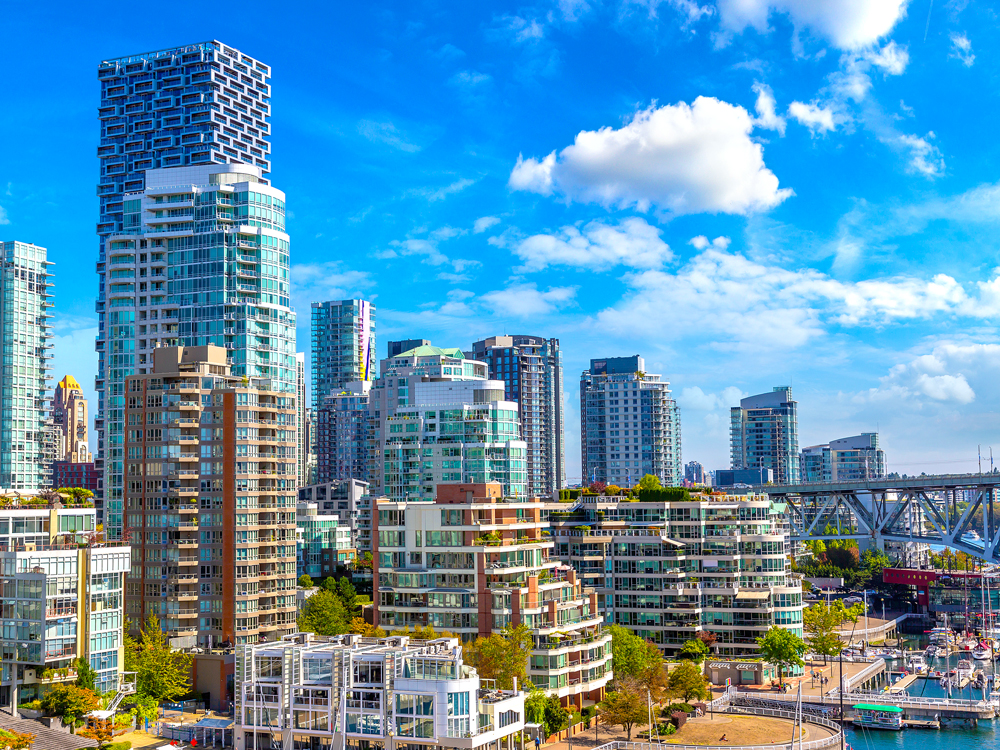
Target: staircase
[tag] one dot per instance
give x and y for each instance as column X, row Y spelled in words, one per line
column 45, row 738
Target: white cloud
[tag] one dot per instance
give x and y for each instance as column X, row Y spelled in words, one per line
column 326, row 281
column 961, row 49
column 387, row 133
column 525, row 300
column 814, row 117
column 695, row 399
column 437, row 194
column 925, row 157
column 682, row 158
column 470, row 79
column 428, row 249
column 3, row 214
column 633, row 243
column 521, row 29
column 483, row 223
column 689, row 10
column 847, row 24
column 891, row 59
column 765, row 106
column 701, row 242
column 943, row 377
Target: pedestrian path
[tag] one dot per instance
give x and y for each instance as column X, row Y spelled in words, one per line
column 45, row 738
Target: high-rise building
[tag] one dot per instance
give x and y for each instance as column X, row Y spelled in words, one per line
column 695, row 473
column 342, row 434
column 764, row 434
column 845, row 460
column 474, row 562
column 62, row 597
column 630, row 425
column 25, row 293
column 70, row 418
column 343, row 346
column 210, row 269
column 210, row 503
column 531, row 369
column 434, row 417
column 396, row 348
column 301, row 424
column 196, row 104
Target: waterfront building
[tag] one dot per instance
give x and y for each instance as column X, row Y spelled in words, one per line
column 350, row 502
column 210, row 505
column 189, row 253
column 473, row 562
column 434, row 417
column 695, row 473
column 343, row 346
column 71, row 420
column 25, row 294
column 62, row 596
column 764, row 434
column 319, row 693
column 669, row 569
column 848, row 459
column 342, row 439
column 630, row 425
column 531, row 370
column 318, row 533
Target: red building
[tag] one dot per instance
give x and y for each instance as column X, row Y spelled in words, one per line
column 69, row 474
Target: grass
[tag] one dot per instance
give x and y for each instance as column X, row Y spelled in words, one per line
column 739, row 730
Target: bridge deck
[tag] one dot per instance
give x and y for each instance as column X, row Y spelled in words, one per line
column 934, row 482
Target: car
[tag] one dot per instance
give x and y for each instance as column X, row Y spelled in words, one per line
column 853, row 600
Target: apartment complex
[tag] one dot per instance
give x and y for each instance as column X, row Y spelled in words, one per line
column 474, row 561
column 301, row 424
column 343, row 346
column 670, row 568
column 70, row 418
column 434, row 417
column 630, row 425
column 695, row 473
column 845, row 460
column 210, row 502
column 25, row 294
column 322, row 542
column 531, row 369
column 348, row 501
column 342, row 434
column 312, row 693
column 764, row 434
column 61, row 597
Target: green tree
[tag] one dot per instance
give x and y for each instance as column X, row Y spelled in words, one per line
column 70, row 702
column 696, row 650
column 782, row 648
column 324, row 613
column 625, row 706
column 348, row 595
column 873, row 562
column 686, row 682
column 305, row 581
column 546, row 710
column 503, row 656
column 632, row 656
column 85, row 676
column 650, row 482
column 329, row 584
column 161, row 672
column 146, row 707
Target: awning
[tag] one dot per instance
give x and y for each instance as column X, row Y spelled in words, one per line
column 668, row 540
column 753, row 595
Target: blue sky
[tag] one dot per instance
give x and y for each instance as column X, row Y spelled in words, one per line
column 749, row 193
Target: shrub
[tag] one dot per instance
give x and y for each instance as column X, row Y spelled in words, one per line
column 674, row 707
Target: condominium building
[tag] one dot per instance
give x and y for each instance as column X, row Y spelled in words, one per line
column 474, row 561
column 301, row 425
column 71, row 420
column 61, row 597
column 25, row 294
column 695, row 473
column 434, row 417
column 342, row 434
column 764, row 434
column 845, row 460
column 395, row 348
column 343, row 346
column 669, row 569
column 318, row 533
column 208, row 263
column 350, row 502
column 531, row 370
column 210, row 502
column 630, row 425
column 352, row 693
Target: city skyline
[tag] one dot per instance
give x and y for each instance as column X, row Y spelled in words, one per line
column 823, row 270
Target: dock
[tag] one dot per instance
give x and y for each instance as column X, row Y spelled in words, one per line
column 903, row 684
column 921, row 724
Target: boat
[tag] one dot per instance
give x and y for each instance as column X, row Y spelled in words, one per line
column 941, row 636
column 971, row 536
column 981, row 653
column 964, row 670
column 878, row 717
column 917, row 664
column 931, row 652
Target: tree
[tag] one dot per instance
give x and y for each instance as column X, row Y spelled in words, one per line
column 686, row 681
column 546, row 710
column 329, row 584
column 696, row 650
column 145, row 707
column 625, row 706
column 85, row 676
column 70, row 702
column 822, row 622
column 102, row 730
column 324, row 613
column 843, row 557
column 503, row 656
column 632, row 656
column 650, row 482
column 707, row 637
column 161, row 672
column 359, row 625
column 305, row 581
column 873, row 562
column 348, row 595
column 11, row 740
column 782, row 648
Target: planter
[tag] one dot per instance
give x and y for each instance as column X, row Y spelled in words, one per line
column 30, row 713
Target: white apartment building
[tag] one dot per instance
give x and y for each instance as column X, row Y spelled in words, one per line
column 311, row 693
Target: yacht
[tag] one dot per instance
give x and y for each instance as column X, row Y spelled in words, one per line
column 917, row 664
column 971, row 536
column 981, row 653
column 964, row 670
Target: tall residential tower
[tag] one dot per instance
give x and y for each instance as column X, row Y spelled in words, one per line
column 764, row 434
column 343, row 346
column 70, row 419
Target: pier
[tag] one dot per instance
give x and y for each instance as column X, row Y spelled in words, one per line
column 933, row 709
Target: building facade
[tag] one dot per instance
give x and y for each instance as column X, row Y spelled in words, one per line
column 474, row 562
column 317, row 533
column 531, row 370
column 71, row 419
column 351, row 693
column 695, row 473
column 66, row 474
column 25, row 294
column 845, row 460
column 210, row 501
column 630, row 425
column 301, row 424
column 350, row 502
column 342, row 438
column 62, row 597
column 343, row 346
column 764, row 434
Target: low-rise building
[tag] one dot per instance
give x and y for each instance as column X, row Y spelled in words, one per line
column 310, row 693
column 349, row 501
column 318, row 533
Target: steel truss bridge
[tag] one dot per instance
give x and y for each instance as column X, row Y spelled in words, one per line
column 942, row 509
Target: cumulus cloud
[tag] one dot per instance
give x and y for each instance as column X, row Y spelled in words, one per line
column 961, row 49
column 891, row 59
column 324, row 281
column 767, row 117
column 428, row 250
column 847, row 24
column 681, row 158
column 817, row 119
column 701, row 242
column 525, row 300
column 942, row 377
column 520, row 30
column 633, row 243
column 483, row 223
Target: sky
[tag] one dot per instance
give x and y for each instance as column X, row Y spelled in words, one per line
column 747, row 193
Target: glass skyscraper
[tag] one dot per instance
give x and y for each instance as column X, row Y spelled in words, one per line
column 764, row 434
column 192, row 245
column 343, row 346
